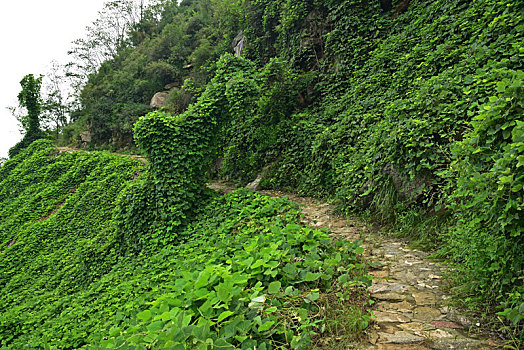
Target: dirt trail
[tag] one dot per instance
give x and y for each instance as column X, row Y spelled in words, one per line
column 412, row 308
column 142, row 159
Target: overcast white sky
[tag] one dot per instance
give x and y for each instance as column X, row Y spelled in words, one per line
column 33, row 33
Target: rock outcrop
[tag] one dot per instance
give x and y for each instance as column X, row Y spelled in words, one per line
column 239, row 43
column 85, row 138
column 159, row 100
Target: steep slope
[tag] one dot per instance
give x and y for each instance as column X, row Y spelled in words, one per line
column 55, row 230
column 241, row 271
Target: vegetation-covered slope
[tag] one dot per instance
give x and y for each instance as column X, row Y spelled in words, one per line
column 55, row 236
column 244, row 273
column 408, row 111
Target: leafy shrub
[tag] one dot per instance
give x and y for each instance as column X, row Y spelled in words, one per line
column 487, row 237
column 180, row 150
column 178, row 100
column 245, row 276
column 237, row 274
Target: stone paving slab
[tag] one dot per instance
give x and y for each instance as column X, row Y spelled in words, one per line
column 410, row 286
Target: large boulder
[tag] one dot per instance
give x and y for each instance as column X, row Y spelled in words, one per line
column 255, row 184
column 85, row 137
column 408, row 189
column 159, row 100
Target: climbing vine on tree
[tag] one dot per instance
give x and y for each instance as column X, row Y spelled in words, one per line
column 180, row 149
column 29, row 100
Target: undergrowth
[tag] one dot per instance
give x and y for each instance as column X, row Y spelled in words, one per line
column 243, row 273
column 410, row 112
column 412, row 116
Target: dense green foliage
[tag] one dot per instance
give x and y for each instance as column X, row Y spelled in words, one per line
column 487, row 199
column 54, row 231
column 412, row 115
column 407, row 111
column 244, row 273
column 245, row 276
column 119, row 92
column 30, row 101
column 180, row 150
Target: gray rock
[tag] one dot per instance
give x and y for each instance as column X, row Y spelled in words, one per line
column 425, row 313
column 400, row 337
column 425, row 298
column 457, row 343
column 401, row 347
column 255, row 184
column 389, row 296
column 390, row 317
column 159, row 100
column 408, row 189
column 439, row 334
column 239, row 43
column 460, row 319
column 402, row 306
column 388, row 287
column 85, row 137
column 416, row 327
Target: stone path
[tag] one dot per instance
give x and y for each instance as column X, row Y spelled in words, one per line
column 411, row 309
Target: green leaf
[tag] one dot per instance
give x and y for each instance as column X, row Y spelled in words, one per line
column 310, row 276
column 265, row 326
column 240, row 278
column 164, row 317
column 240, row 338
column 224, row 315
column 257, row 263
column 313, row 296
column 274, row 287
column 257, row 303
column 224, row 292
column 144, row 315
column 201, row 332
column 202, row 280
column 155, row 326
column 506, row 179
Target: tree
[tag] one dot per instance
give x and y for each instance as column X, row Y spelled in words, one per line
column 58, row 100
column 108, row 34
column 29, row 100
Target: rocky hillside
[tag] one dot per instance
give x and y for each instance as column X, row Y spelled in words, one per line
column 408, row 113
